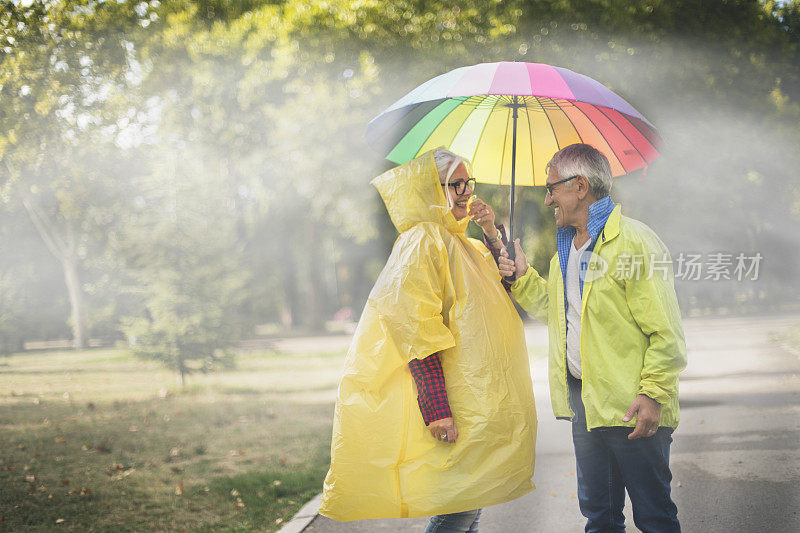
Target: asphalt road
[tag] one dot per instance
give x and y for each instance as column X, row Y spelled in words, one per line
column 735, row 456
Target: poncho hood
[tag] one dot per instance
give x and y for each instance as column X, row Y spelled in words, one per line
column 413, row 193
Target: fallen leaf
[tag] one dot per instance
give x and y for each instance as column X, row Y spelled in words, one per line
column 282, row 461
column 30, row 479
column 133, row 429
column 179, row 488
column 234, row 493
column 60, row 521
column 85, row 491
column 60, row 439
column 679, row 484
column 279, row 520
column 574, row 496
column 276, row 482
column 64, row 481
column 103, row 447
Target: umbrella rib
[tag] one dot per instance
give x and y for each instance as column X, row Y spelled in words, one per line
column 503, row 151
column 552, row 128
column 440, row 122
column 483, row 129
column 531, row 135
column 623, row 133
column 602, row 135
column 656, row 148
column 566, row 115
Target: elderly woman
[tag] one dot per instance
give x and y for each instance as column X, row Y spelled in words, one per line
column 435, row 413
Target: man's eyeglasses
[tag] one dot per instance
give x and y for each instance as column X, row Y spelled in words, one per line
column 549, row 186
column 459, row 187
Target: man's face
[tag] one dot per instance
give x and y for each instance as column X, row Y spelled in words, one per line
column 564, row 199
column 459, row 201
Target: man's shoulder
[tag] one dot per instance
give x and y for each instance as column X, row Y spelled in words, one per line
column 637, row 234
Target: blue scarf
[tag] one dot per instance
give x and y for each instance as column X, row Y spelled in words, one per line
column 598, row 216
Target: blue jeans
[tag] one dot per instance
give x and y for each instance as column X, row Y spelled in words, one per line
column 608, row 463
column 466, row 522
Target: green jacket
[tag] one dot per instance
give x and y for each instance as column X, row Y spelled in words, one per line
column 631, row 335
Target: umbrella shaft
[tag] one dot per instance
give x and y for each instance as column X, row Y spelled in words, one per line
column 510, row 247
column 513, row 168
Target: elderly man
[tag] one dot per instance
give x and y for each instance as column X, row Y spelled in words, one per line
column 616, row 343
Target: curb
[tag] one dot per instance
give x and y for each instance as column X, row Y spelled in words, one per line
column 304, row 516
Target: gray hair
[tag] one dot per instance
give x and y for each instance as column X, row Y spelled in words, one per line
column 584, row 160
column 446, row 163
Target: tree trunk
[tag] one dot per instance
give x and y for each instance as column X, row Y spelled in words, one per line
column 289, row 309
column 67, row 254
column 182, row 371
column 317, row 297
column 76, row 302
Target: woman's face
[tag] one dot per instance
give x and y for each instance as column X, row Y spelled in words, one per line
column 458, row 201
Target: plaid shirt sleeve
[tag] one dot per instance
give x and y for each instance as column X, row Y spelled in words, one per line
column 431, row 392
column 496, row 252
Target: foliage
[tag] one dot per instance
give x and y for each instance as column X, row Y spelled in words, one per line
column 201, row 169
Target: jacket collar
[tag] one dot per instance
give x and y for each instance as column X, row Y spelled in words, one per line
column 599, row 213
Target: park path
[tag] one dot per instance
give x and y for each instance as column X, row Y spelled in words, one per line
column 735, row 458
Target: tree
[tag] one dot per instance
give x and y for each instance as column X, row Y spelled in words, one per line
column 65, row 65
column 188, row 271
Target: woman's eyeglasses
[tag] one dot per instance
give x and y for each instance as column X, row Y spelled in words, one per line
column 460, row 187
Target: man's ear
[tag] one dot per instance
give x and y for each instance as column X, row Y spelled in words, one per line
column 582, row 186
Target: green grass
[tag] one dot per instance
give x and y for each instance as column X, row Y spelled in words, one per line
column 789, row 339
column 102, row 441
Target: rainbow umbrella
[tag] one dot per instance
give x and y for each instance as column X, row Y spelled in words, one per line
column 509, row 118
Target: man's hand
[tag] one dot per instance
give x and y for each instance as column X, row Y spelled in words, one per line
column 483, row 215
column 444, row 430
column 516, row 268
column 649, row 415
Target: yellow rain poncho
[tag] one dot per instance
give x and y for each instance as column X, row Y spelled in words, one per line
column 439, row 292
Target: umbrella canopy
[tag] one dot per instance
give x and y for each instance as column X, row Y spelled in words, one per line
column 483, row 111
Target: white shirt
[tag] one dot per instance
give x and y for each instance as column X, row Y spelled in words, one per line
column 573, row 289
